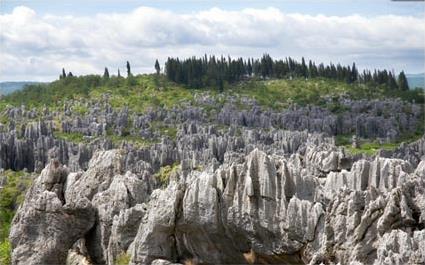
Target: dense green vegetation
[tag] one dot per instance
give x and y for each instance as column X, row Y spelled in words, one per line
column 211, row 71
column 11, row 195
column 137, row 92
column 149, row 91
column 273, row 83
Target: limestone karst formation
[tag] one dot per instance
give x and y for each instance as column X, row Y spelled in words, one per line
column 253, row 187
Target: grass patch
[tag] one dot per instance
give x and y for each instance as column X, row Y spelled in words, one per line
column 70, row 137
column 343, row 139
column 149, row 91
column 279, row 93
column 164, row 130
column 133, row 139
column 122, row 259
column 371, row 148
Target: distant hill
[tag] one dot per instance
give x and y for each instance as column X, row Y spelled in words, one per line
column 416, row 80
column 9, row 87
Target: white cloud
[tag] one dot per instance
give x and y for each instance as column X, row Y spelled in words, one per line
column 35, row 47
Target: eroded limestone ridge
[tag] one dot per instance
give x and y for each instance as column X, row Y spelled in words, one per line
column 31, row 137
column 277, row 198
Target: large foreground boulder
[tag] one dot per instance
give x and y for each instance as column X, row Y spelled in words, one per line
column 45, row 226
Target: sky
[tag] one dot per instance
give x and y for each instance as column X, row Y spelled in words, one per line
column 39, row 38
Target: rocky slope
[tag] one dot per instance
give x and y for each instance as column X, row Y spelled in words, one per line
column 30, row 138
column 308, row 203
column 204, row 183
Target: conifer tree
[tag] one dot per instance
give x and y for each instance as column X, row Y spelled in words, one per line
column 157, row 67
column 392, row 84
column 128, row 69
column 402, row 82
column 220, row 84
column 106, row 73
column 304, row 70
column 249, row 68
column 63, row 74
column 354, row 73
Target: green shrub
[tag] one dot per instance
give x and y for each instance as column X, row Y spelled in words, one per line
column 164, row 173
column 343, row 139
column 11, row 195
column 5, row 252
column 122, row 259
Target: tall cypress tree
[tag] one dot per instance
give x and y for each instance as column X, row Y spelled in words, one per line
column 304, row 70
column 63, row 74
column 128, row 69
column 249, row 68
column 392, row 84
column 220, row 84
column 402, row 81
column 354, row 73
column 106, row 73
column 157, row 67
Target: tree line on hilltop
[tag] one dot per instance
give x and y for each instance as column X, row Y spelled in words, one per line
column 214, row 71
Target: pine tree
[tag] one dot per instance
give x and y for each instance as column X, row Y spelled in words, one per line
column 354, row 73
column 249, row 68
column 106, row 73
column 63, row 74
column 220, row 84
column 402, row 82
column 128, row 69
column 70, row 74
column 392, row 84
column 119, row 74
column 304, row 70
column 157, row 67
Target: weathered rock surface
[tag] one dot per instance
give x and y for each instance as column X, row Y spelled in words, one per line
column 299, row 208
column 46, row 226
